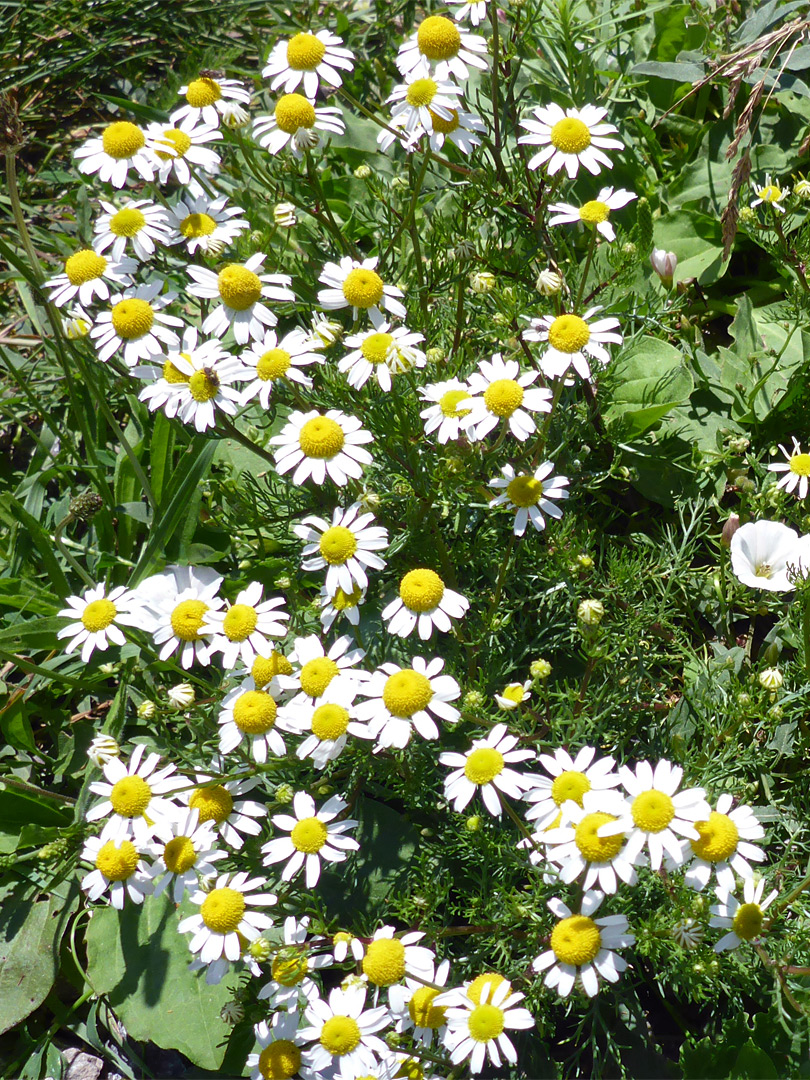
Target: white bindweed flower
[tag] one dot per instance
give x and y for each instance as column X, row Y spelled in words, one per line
column 769, row 555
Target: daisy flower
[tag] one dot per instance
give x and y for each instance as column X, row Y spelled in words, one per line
column 280, row 1043
column 243, row 629
column 399, row 699
column 414, row 1005
column 742, row 920
column 226, row 914
column 595, row 212
column 474, row 10
column 209, row 374
column 581, row 947
column 210, row 99
column 225, row 807
column 240, row 289
column 316, row 445
column 97, row 617
column 345, row 549
column 121, row 146
column 381, row 352
column 103, row 748
column 531, row 494
column 314, row 835
column 117, row 866
column 389, row 959
column 186, row 852
column 439, row 40
column 796, row 469
column 319, row 670
column 768, row 555
column 249, row 712
column 269, row 360
column 724, row 846
column 84, row 276
column 424, row 602
column 307, row 58
column 477, row 1030
column 136, row 324
column 500, row 392
column 578, row 847
column 483, row 768
column 343, row 943
column 328, row 722
column 205, row 224
column 461, row 128
column 346, row 604
column 175, row 604
column 342, row 1033
column 358, row 285
column 657, row 811
column 134, row 797
column 291, row 985
column 568, row 780
column 571, row 340
column 180, row 143
column 450, row 414
column 771, row 194
column 138, row 222
column 570, row 138
column 296, row 121
column 416, row 101
column 514, row 694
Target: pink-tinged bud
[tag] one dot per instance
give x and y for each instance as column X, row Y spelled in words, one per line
column 729, row 529
column 664, row 263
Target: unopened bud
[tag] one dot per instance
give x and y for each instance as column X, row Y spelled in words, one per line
column 540, row 669
column 664, row 263
column 146, row 710
column 482, row 281
column 730, row 527
column 84, row 506
column 102, row 749
column 591, row 612
column 284, row 215
column 182, row 695
column 771, row 678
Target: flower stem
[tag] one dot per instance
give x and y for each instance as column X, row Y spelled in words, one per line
column 233, row 432
column 586, row 268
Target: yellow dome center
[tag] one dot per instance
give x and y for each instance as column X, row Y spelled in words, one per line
column 568, row 334
column 343, row 600
column 485, row 1022
column 718, row 838
column 130, row 796
column 309, row 835
column 132, row 318
column 117, row 863
column 576, row 940
column 525, row 491
column 450, row 403
column 594, row 212
column 273, row 364
column 503, row 396
column 406, row 692
column 203, row 92
column 800, row 464
column 421, row 590
column 376, row 347
column 422, row 1010
column 438, row 38
column 317, row 674
column 212, row 803
column 653, row 810
column 290, row 969
column 570, row 785
column 475, row 991
column 280, row 1060
column 204, row 384
column 173, row 374
column 363, row 288
column 770, row 193
column 187, row 618
column 570, row 136
column 337, row 545
column 293, row 111
column 122, row 140
column 384, row 962
column 421, row 92
column 222, row 910
column 178, row 142
column 98, row 615
column 340, row 1035
column 194, row 226
column 127, row 222
column 483, row 765
column 329, row 722
column 239, row 287
column 179, row 854
column 305, row 52
column 747, row 921
column 254, row 712
column 265, row 668
column 240, row 622
column 442, row 126
column 321, row 437
column 595, row 848
column 84, row 266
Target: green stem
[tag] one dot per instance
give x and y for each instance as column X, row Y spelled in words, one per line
column 315, row 180
column 495, row 91
column 77, row 567
column 806, row 630
column 234, row 433
column 586, row 268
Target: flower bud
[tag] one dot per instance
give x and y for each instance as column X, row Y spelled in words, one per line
column 284, row 215
column 473, row 700
column 591, row 612
column 482, row 281
column 84, row 506
column 233, row 114
column 435, row 355
column 549, row 282
column 540, row 669
column 182, row 695
column 362, row 172
column 146, row 710
column 771, row 678
column 802, row 189
column 664, row 263
column 730, row 527
column 284, row 794
column 473, row 823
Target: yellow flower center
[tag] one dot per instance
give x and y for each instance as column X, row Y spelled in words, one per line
column 375, row 348
column 594, row 212
column 770, row 193
column 178, row 142
column 422, row 1010
column 570, row 785
column 179, row 854
column 475, row 990
column 239, row 287
column 653, row 810
column 406, row 692
column 132, row 318
column 317, row 674
column 127, row 222
column 485, row 1023
column 568, row 334
column 503, row 396
column 747, row 921
column 343, row 600
column 122, row 139
column 595, row 848
column 514, row 692
column 173, row 374
column 483, row 765
column 450, row 403
column 363, row 288
column 337, row 545
column 222, row 910
column 280, row 1060
column 442, row 126
column 800, row 464
column 525, row 491
column 213, row 803
column 240, row 622
column 384, row 962
column 718, row 838
column 130, row 796
column 187, row 618
column 570, row 136
column 98, row 615
column 309, row 835
column 293, row 111
column 254, row 712
column 266, row 668
column 421, row 92
column 305, row 52
column 342, row 935
column 340, row 1035
column 273, row 364
column 329, row 722
column 290, row 969
column 202, row 92
column 321, row 437
column 438, row 38
column 195, row 225
column 117, row 863
column 421, row 590
column 204, row 384
column 84, row 266
column 576, row 940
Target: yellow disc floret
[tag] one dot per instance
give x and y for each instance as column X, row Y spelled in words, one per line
column 273, row 364
column 570, row 136
column 375, row 347
column 179, row 854
column 177, row 141
column 222, row 910
column 747, row 921
column 98, row 615
column 265, row 668
column 329, row 722
column 363, row 288
column 422, row 1010
column 187, row 618
column 485, row 1022
column 595, row 848
column 203, row 92
column 342, row 601
column 484, row 986
column 483, row 765
column 406, row 692
column 293, row 111
column 305, row 52
column 444, row 126
column 132, row 318
column 240, row 622
column 280, row 1060
column 594, row 212
column 239, row 287
column 337, row 545
column 194, row 226
column 653, row 810
column 568, row 334
column 173, row 374
column 84, row 266
column 117, row 863
column 524, row 491
column 576, row 940
column 450, row 403
column 254, row 712
column 340, row 1035
column 309, row 835
column 130, row 796
column 800, row 464
column 438, row 38
column 122, row 139
column 290, row 968
column 421, row 92
column 316, row 675
column 421, row 590
column 503, row 396
column 570, row 785
column 718, row 838
column 384, row 962
column 204, row 384
column 127, row 222
column 321, row 437
column 212, row 803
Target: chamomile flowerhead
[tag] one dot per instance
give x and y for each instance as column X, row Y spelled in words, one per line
column 86, row 275
column 205, row 224
column 341, row 1032
column 306, row 58
column 413, row 1004
column 484, row 768
column 341, row 604
column 796, row 468
column 313, row 669
column 175, row 603
column 134, row 797
column 771, row 194
column 578, row 848
column 501, row 392
column 119, row 148
column 279, row 1053
column 381, row 353
column 769, row 555
column 317, row 445
column 724, row 846
column 461, row 128
column 224, row 806
column 449, row 50
column 252, row 716
column 186, row 851
column 570, row 138
column 357, row 285
column 389, row 957
column 314, row 836
column 450, row 413
column 118, row 866
column 477, row 1029
column 291, row 986
column 181, row 146
column 416, row 101
column 400, row 700
column 572, row 340
column 474, row 10
column 210, row 99
column 327, row 723
column 296, row 122
column 209, row 389
column 246, row 628
column 136, row 223
column 240, row 289
column 346, row 548
column 270, row 361
column 226, row 913
column 582, row 947
column 743, row 921
column 136, row 324
column 567, row 780
column 97, row 617
column 513, row 695
column 424, row 604
column 594, row 212
column 533, row 495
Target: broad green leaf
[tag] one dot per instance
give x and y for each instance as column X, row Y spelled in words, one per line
column 697, row 240
column 649, row 380
column 36, row 535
